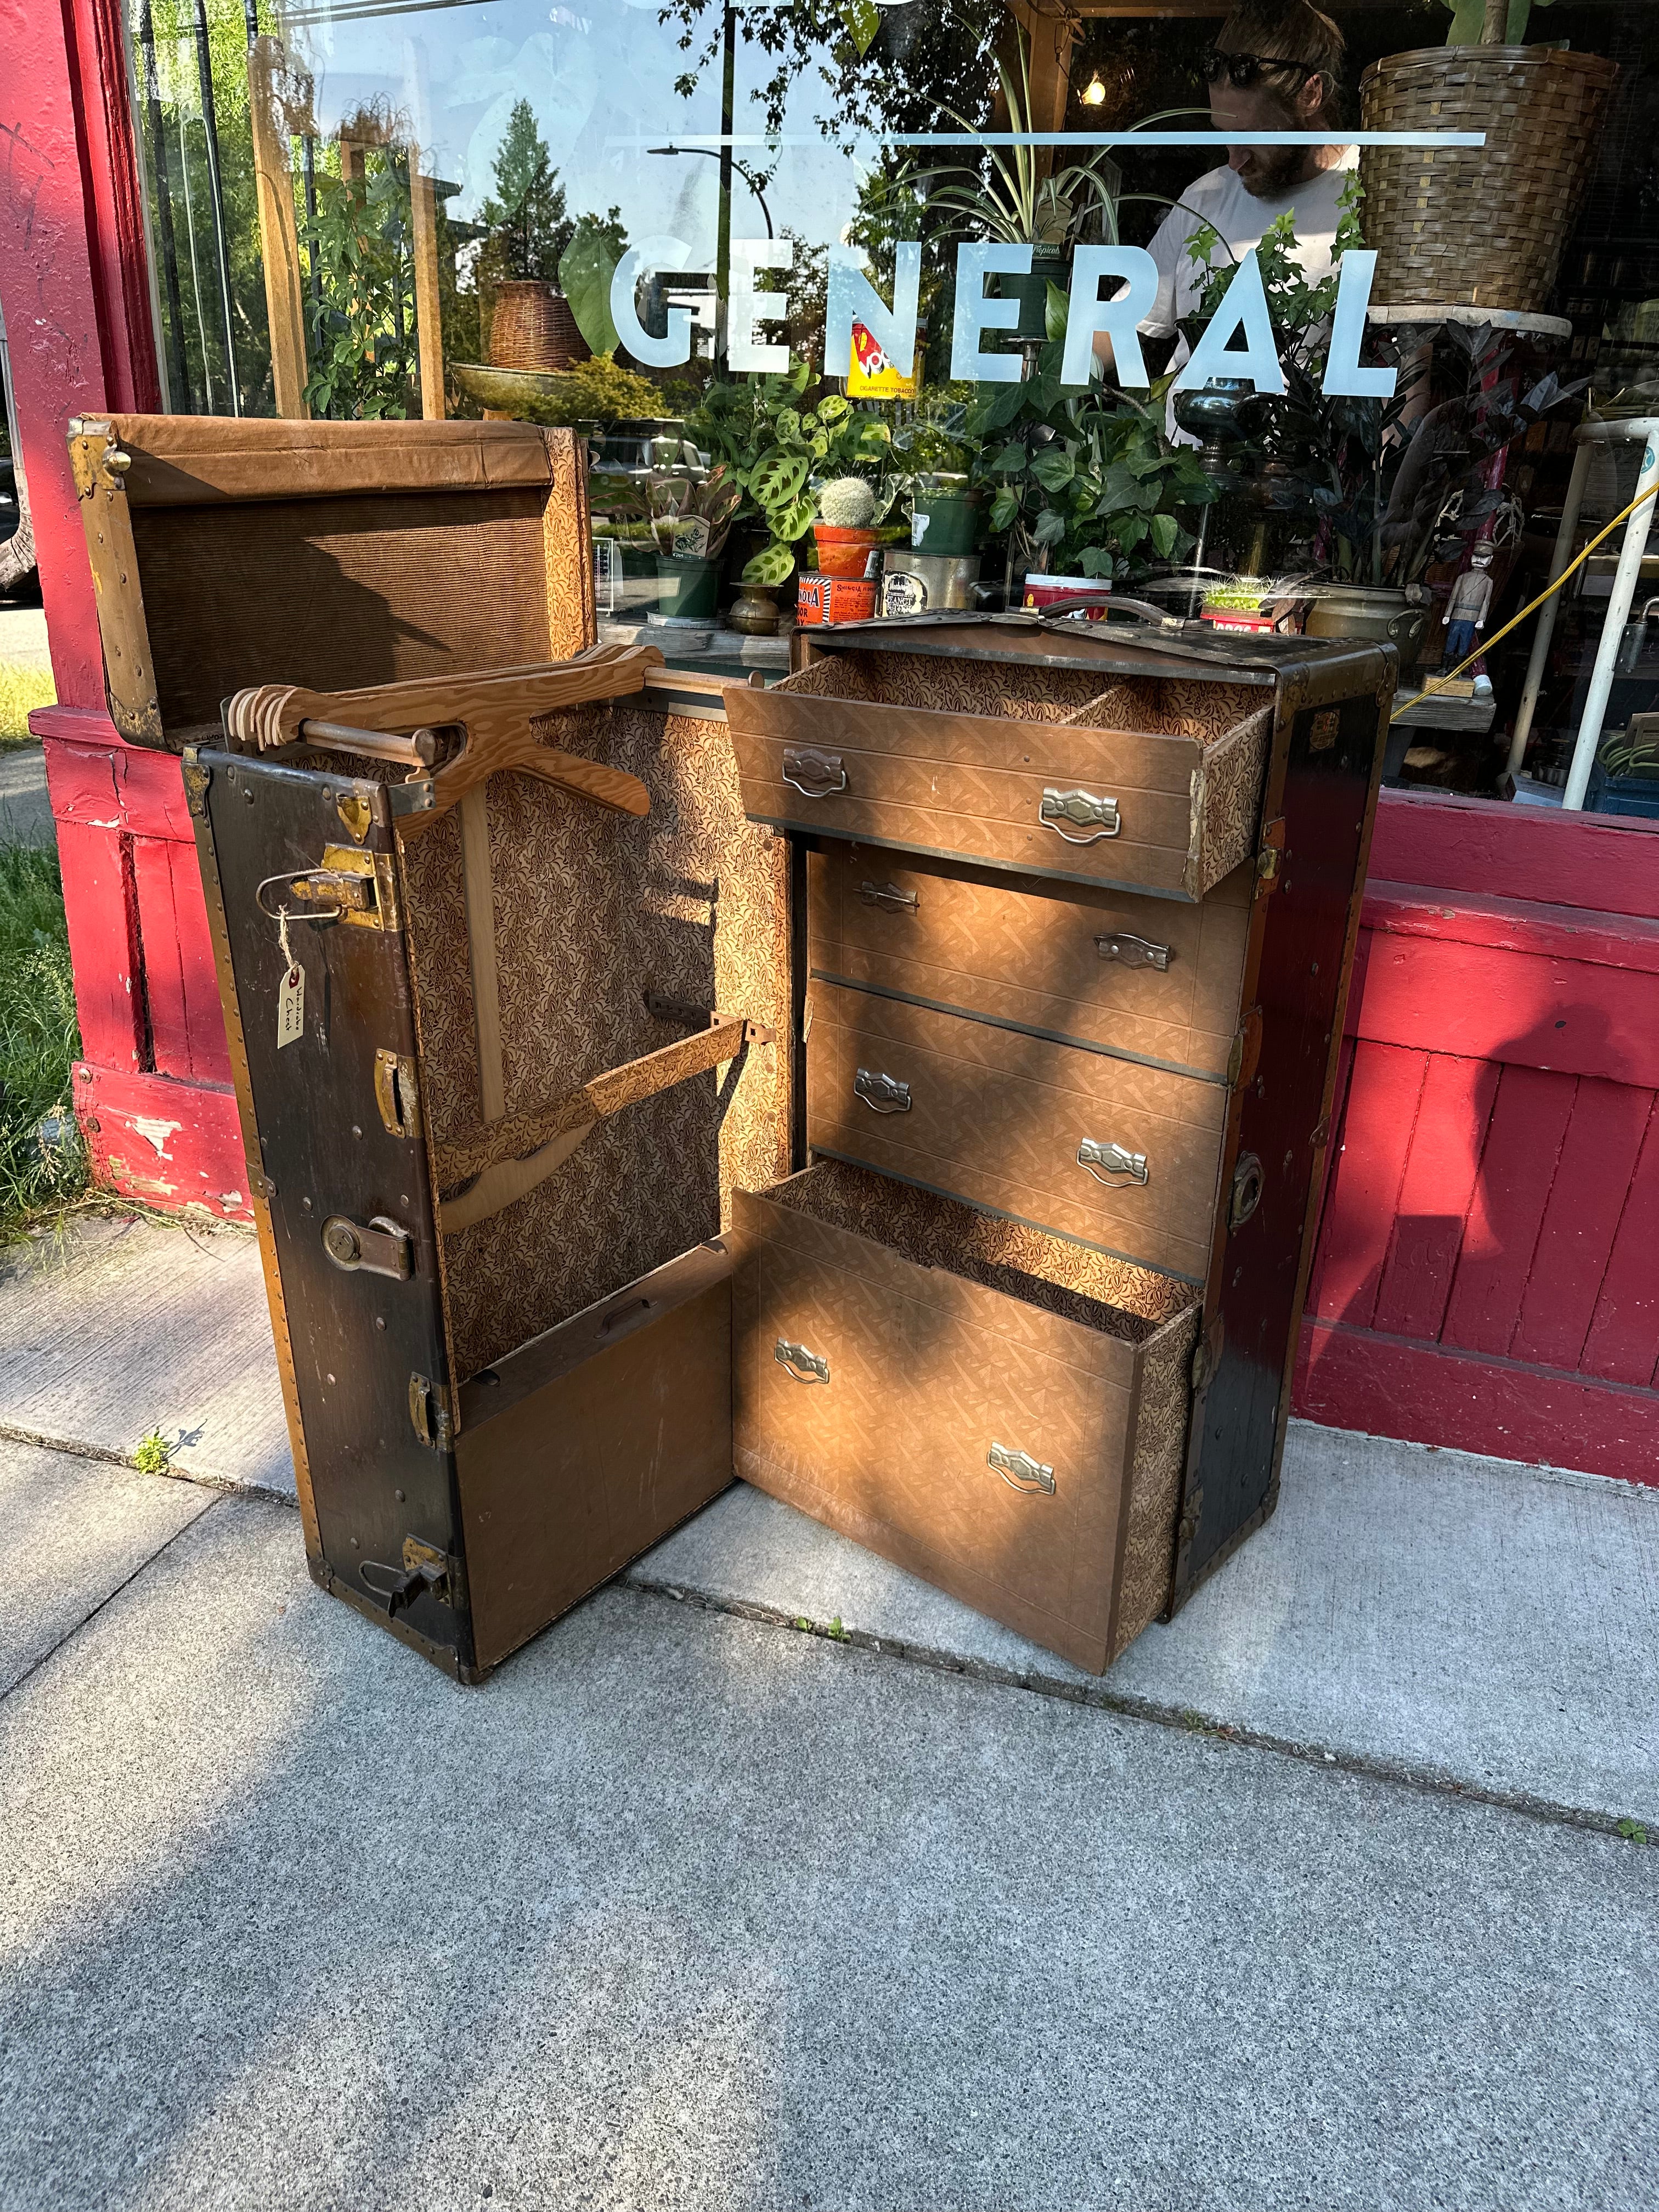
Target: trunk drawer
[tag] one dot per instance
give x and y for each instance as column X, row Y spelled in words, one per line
column 1014, row 1121
column 1151, row 976
column 1020, row 1447
column 1148, row 783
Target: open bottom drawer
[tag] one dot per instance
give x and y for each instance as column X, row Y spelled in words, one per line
column 998, row 1411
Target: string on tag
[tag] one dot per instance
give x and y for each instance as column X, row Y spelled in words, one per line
column 281, row 937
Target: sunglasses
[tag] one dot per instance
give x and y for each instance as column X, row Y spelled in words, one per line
column 1243, row 70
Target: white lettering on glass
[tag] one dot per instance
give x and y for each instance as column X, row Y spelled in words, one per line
column 673, row 348
column 1243, row 308
column 744, row 346
column 1087, row 312
column 976, row 314
column 854, row 299
column 1343, row 374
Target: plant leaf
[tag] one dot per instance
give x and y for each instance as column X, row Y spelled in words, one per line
column 585, row 274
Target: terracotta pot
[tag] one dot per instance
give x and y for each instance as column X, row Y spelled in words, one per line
column 844, row 552
column 532, row 327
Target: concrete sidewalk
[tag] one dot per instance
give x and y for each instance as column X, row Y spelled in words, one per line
column 687, row 1907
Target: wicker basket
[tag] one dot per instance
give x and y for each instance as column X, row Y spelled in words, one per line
column 532, row 327
column 1478, row 227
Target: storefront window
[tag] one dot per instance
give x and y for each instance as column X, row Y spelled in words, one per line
column 864, row 308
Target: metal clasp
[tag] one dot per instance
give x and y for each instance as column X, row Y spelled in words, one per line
column 396, row 1093
column 889, row 895
column 1083, row 808
column 425, row 1568
column 813, row 773
column 882, row 1094
column 1019, row 1470
column 1105, row 1161
column 1133, row 951
column 795, row 1359
column 384, row 1247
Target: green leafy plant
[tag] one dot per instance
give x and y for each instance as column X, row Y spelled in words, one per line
column 154, row 1455
column 774, row 446
column 664, row 503
column 361, row 311
column 43, row 1163
column 1469, row 21
column 1634, row 1832
column 596, row 390
column 586, row 268
column 1084, row 480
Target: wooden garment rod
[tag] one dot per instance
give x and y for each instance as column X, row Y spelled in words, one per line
column 476, row 1177
column 496, row 710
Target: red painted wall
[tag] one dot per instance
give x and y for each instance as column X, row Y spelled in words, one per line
column 1487, row 1274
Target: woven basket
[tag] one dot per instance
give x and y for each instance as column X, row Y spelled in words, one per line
column 1478, row 227
column 532, row 327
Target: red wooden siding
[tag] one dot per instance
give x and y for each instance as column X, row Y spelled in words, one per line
column 1487, row 1273
column 154, row 1091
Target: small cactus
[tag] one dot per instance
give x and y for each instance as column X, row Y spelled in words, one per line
column 848, row 503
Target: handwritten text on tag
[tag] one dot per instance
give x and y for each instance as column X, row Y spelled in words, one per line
column 291, row 1006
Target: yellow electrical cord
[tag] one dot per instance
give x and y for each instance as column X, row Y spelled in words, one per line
column 1451, row 676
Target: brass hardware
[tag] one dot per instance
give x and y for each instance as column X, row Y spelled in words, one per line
column 381, row 1247
column 1133, row 951
column 1270, row 860
column 197, row 780
column 356, row 813
column 396, row 1093
column 1084, row 809
column 795, row 1359
column 882, row 1094
column 1246, row 1191
column 889, row 895
column 1321, row 1132
column 1246, row 1049
column 1207, row 1354
column 359, row 886
column 428, row 1411
column 426, row 1570
column 1103, row 1161
column 813, row 773
column 1019, row 1470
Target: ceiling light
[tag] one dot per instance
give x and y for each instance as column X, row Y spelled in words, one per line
column 1094, row 93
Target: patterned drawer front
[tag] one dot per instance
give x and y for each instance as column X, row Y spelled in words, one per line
column 1075, row 801
column 995, row 1471
column 1155, row 977
column 1122, row 1154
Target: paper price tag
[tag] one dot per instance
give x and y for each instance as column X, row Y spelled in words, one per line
column 291, row 1006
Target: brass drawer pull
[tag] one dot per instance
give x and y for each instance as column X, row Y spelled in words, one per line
column 1099, row 816
column 813, row 773
column 882, row 1094
column 1133, row 951
column 806, row 1366
column 889, row 896
column 1019, row 1470
column 1105, row 1161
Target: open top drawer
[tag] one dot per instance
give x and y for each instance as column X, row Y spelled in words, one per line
column 998, row 1411
column 1150, row 782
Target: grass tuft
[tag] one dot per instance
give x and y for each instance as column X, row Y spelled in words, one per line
column 154, row 1455
column 43, row 1163
column 21, row 689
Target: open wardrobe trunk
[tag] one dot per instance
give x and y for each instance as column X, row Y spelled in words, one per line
column 905, row 1088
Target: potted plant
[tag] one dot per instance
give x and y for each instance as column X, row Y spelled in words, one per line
column 1500, row 214
column 772, row 445
column 1018, row 199
column 843, row 530
column 1388, row 486
column 688, row 520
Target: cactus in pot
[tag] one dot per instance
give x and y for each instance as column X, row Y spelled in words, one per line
column 843, row 532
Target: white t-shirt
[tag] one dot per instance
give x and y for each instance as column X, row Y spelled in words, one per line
column 1219, row 198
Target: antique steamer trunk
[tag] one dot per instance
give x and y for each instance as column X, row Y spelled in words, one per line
column 905, row 1087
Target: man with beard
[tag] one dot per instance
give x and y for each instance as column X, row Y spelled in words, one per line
column 1275, row 65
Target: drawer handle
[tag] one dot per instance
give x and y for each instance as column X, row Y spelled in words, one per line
column 806, row 1366
column 815, row 774
column 889, row 895
column 1133, row 951
column 882, row 1094
column 1105, row 1161
column 1019, row 1470
column 1082, row 808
